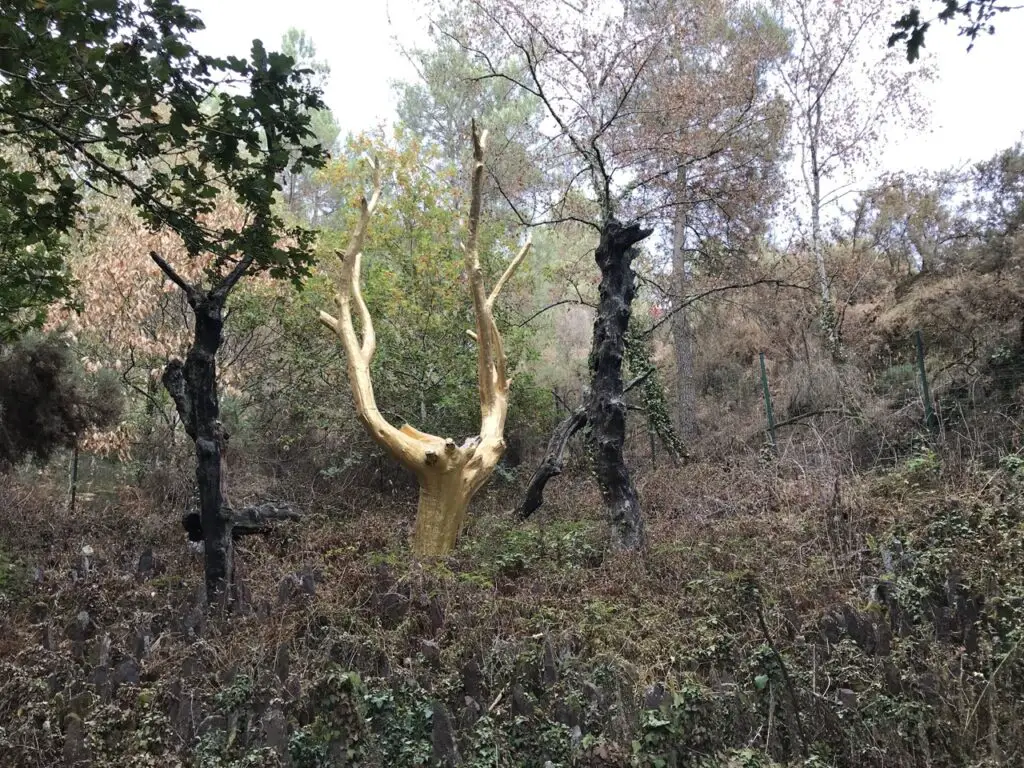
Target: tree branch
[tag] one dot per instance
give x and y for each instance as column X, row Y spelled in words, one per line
column 257, row 518
column 797, row 419
column 552, row 463
column 509, row 272
column 190, row 292
column 174, row 381
column 540, row 312
column 721, row 289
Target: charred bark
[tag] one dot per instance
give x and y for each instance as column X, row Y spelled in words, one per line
column 258, row 518
column 551, row 465
column 193, row 387
column 254, row 519
column 606, row 409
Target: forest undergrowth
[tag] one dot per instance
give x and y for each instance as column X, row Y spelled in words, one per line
column 789, row 372
column 778, row 616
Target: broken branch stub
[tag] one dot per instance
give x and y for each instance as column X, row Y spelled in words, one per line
column 449, row 474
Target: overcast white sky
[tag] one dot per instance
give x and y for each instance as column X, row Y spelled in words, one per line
column 356, row 37
column 976, row 104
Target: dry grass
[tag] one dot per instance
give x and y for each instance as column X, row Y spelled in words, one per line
column 729, row 542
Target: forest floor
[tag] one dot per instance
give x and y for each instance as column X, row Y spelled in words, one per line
column 776, row 617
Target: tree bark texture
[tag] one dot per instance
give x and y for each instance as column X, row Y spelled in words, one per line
column 606, row 408
column 259, row 518
column 440, row 514
column 683, row 342
column 193, row 387
column 551, row 465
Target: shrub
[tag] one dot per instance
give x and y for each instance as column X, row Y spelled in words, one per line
column 46, row 400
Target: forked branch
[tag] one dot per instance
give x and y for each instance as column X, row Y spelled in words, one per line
column 491, row 363
column 359, row 352
column 449, row 474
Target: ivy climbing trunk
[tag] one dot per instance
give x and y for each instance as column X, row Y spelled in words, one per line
column 606, row 409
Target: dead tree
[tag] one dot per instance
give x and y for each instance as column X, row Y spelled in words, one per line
column 553, row 462
column 587, row 70
column 192, row 385
column 449, row 474
column 606, row 408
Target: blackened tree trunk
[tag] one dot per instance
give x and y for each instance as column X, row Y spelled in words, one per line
column 551, row 465
column 193, row 387
column 606, row 408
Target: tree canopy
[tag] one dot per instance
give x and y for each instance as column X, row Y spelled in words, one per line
column 108, row 94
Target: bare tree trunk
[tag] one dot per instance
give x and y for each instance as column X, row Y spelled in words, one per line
column 813, row 130
column 551, row 466
column 448, row 474
column 684, row 341
column 824, row 290
column 682, row 329
column 606, row 409
column 74, row 475
column 828, row 314
column 441, row 513
column 193, row 387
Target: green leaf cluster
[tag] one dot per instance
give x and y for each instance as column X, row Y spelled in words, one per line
column 101, row 94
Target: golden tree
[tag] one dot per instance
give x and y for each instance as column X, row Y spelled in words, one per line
column 449, row 474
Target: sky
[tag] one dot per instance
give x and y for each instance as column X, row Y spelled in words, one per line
column 976, row 107
column 356, row 37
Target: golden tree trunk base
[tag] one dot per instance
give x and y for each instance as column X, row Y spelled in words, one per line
column 441, row 514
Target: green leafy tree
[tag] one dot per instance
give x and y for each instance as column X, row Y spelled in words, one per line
column 454, row 89
column 32, row 276
column 112, row 93
column 34, row 218
column 306, row 195
column 913, row 221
